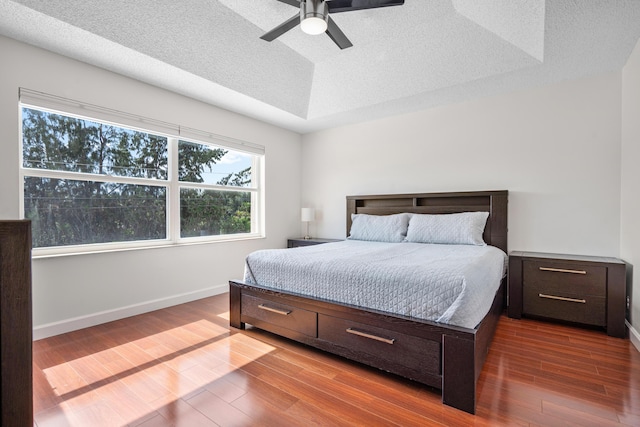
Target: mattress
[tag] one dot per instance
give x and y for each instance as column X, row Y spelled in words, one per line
column 452, row 284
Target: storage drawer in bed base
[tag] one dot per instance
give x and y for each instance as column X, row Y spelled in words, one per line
column 399, row 353
column 445, row 357
column 276, row 316
column 396, row 349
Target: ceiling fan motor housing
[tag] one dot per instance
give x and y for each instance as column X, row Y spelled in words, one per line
column 314, row 9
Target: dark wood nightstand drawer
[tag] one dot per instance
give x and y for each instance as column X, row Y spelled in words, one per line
column 285, row 316
column 558, row 277
column 380, row 343
column 586, row 309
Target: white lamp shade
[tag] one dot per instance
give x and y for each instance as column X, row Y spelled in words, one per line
column 308, row 214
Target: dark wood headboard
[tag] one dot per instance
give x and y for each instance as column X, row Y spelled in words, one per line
column 494, row 202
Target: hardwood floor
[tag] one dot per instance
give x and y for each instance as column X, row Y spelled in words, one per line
column 182, row 366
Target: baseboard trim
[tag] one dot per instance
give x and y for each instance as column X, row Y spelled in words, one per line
column 73, row 324
column 634, row 336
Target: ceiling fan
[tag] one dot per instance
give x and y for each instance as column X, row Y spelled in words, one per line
column 314, row 17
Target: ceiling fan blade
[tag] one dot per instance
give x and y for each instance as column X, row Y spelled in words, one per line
column 282, row 28
column 336, row 34
column 295, row 3
column 336, row 6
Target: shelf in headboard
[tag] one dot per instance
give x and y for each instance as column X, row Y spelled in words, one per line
column 384, row 210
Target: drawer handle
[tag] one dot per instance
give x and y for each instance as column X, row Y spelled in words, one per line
column 275, row 310
column 581, row 301
column 370, row 336
column 562, row 270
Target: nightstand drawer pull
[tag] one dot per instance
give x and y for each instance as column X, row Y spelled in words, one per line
column 581, row 301
column 370, row 336
column 562, row 270
column 275, row 310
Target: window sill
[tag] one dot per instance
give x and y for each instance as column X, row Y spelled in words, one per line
column 44, row 253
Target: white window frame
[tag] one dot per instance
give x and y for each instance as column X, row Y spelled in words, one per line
column 174, row 134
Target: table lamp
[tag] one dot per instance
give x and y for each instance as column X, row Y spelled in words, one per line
column 307, row 215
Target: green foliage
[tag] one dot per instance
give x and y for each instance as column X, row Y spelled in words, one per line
column 69, row 212
column 207, row 212
column 194, row 159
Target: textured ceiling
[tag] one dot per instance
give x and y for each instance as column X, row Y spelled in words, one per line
column 405, row 58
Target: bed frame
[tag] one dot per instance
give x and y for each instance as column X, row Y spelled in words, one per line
column 446, row 357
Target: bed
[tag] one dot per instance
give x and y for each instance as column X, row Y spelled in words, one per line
column 444, row 356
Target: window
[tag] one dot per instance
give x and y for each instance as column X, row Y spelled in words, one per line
column 90, row 184
column 205, row 209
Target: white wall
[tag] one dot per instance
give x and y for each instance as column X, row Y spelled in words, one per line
column 66, row 288
column 630, row 183
column 555, row 148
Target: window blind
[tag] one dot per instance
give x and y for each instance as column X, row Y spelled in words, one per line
column 85, row 110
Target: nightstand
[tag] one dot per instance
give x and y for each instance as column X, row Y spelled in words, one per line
column 586, row 290
column 296, row 243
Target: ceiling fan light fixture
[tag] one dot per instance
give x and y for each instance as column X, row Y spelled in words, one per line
column 313, row 25
column 313, row 16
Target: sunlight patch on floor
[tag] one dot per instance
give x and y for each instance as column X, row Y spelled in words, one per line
column 156, row 370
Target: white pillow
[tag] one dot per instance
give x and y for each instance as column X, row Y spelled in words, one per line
column 456, row 229
column 379, row 228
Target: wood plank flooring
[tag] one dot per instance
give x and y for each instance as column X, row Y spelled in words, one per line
column 183, row 366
